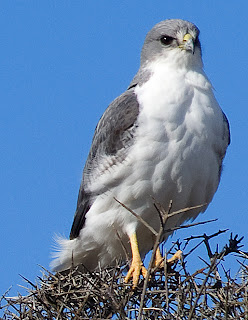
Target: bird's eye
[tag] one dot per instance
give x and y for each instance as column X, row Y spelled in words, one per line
column 166, row 40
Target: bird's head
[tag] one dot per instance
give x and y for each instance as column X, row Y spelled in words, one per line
column 174, row 40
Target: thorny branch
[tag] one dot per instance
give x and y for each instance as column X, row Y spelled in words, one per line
column 172, row 292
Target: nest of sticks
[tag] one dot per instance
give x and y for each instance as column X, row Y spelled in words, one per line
column 171, row 292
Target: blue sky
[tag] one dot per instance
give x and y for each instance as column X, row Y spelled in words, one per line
column 62, row 63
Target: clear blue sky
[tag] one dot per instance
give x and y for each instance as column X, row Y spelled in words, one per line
column 62, row 63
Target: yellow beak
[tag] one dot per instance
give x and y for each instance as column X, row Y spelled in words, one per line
column 188, row 43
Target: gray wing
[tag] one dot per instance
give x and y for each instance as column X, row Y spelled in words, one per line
column 227, row 134
column 113, row 135
column 226, row 141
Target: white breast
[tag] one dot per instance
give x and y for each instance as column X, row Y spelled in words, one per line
column 180, row 125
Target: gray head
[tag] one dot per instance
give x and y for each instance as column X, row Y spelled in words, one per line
column 175, row 41
column 174, row 34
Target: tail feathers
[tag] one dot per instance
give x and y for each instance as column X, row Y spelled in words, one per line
column 86, row 251
column 63, row 254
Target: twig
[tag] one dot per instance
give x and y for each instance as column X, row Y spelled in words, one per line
column 158, row 238
column 138, row 217
column 189, row 225
column 122, row 244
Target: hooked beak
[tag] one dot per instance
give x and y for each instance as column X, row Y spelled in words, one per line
column 188, row 43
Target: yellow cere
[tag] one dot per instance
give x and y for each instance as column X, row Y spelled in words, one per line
column 187, row 37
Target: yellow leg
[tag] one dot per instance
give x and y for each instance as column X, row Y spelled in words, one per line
column 136, row 267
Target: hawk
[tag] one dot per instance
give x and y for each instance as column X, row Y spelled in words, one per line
column 165, row 138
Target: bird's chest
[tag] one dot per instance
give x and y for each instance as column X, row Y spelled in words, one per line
column 177, row 130
column 168, row 97
column 173, row 111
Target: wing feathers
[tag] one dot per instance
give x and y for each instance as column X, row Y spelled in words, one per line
column 114, row 133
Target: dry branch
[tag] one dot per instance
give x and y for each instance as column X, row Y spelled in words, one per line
column 172, row 292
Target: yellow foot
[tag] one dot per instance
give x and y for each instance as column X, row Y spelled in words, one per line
column 177, row 256
column 137, row 267
column 134, row 272
column 159, row 260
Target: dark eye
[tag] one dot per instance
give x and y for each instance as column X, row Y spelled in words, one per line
column 166, row 40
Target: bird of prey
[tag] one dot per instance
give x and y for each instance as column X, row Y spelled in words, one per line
column 164, row 138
